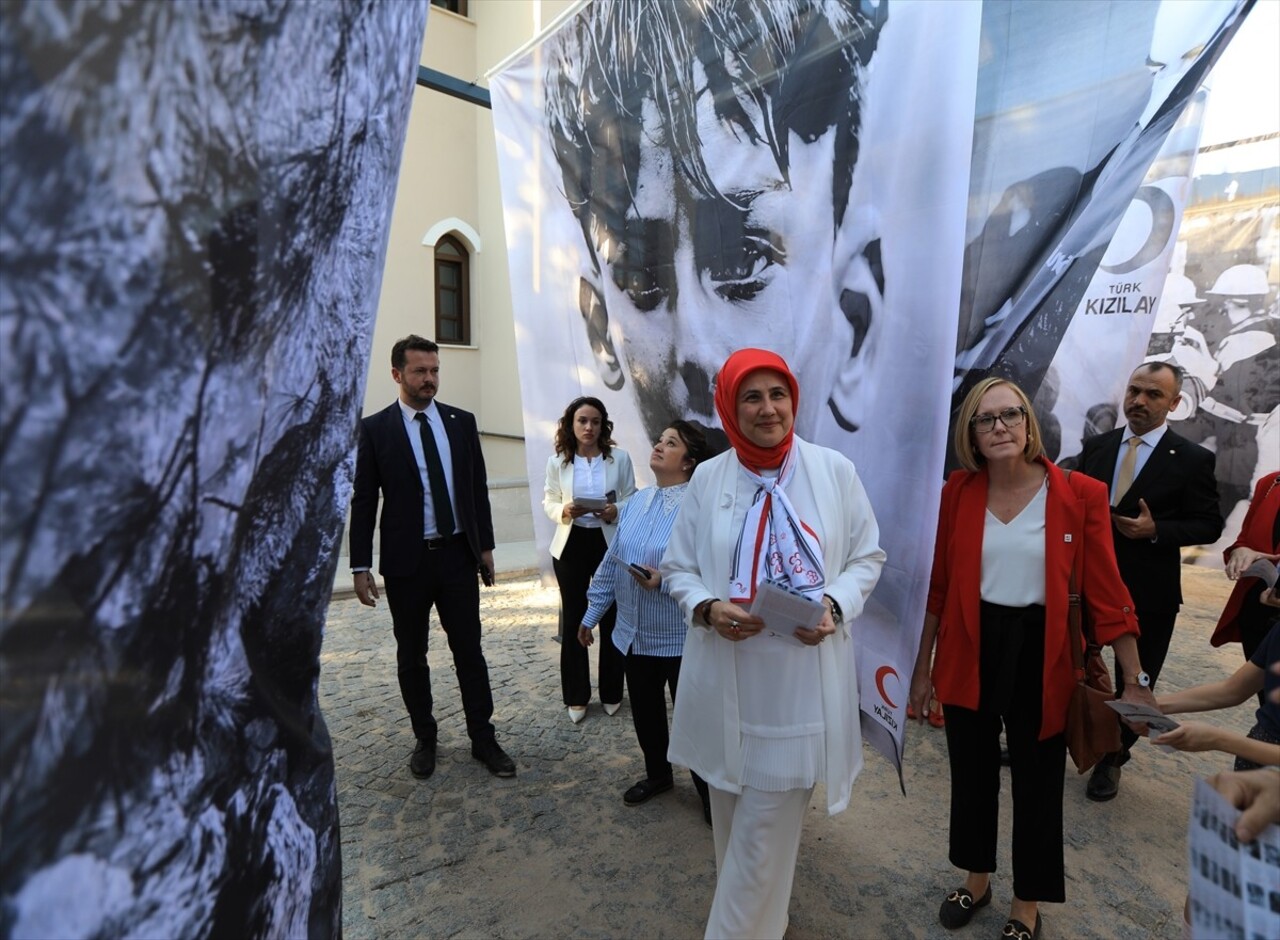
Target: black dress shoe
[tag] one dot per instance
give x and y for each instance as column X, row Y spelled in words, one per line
column 646, row 790
column 1017, row 930
column 959, row 907
column 495, row 758
column 1104, row 783
column 423, row 761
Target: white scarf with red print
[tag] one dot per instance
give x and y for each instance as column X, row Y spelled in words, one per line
column 775, row 544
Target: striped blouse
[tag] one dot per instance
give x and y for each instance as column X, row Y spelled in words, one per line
column 649, row 622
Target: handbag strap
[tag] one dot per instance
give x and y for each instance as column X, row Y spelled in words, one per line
column 1074, row 618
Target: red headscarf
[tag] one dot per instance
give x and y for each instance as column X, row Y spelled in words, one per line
column 735, row 369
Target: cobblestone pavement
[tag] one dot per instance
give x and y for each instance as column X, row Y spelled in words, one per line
column 555, row 853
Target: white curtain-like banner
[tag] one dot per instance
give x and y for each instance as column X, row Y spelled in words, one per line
column 888, row 194
column 1109, row 334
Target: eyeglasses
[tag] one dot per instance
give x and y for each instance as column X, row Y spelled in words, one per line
column 1010, row 418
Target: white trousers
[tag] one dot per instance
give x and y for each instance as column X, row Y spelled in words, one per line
column 757, row 836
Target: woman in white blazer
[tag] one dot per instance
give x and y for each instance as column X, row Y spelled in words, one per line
column 586, row 466
column 767, row 710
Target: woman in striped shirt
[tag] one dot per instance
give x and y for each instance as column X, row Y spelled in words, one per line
column 650, row 627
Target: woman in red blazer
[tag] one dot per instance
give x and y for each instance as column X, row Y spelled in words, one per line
column 1010, row 526
column 1246, row 619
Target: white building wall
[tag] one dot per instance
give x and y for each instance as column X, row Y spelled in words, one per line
column 449, row 172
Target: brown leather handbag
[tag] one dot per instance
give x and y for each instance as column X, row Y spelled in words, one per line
column 1093, row 730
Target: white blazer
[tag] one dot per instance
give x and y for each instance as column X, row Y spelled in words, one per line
column 619, row 477
column 706, row 730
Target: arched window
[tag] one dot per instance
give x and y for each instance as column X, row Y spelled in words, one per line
column 453, row 292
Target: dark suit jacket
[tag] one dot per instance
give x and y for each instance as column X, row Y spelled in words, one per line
column 385, row 464
column 1179, row 487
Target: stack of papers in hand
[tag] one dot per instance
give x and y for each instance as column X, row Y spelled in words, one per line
column 1266, row 570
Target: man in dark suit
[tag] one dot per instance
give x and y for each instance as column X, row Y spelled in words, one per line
column 1163, row 496
column 437, row 537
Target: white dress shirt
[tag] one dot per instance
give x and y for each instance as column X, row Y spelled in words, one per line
column 1148, row 447
column 588, row 482
column 435, row 421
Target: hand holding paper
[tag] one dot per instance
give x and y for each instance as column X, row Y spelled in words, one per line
column 1191, row 736
column 1264, row 569
column 1137, row 713
column 784, row 611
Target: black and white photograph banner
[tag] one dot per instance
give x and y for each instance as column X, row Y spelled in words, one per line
column 195, row 201
column 683, row 180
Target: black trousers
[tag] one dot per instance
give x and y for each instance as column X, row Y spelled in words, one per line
column 574, row 569
column 1153, row 647
column 1010, row 676
column 648, row 679
column 445, row 579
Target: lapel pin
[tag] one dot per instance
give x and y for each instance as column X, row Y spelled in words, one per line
column 1066, row 537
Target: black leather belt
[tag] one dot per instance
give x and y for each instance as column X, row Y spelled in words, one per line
column 432, row 545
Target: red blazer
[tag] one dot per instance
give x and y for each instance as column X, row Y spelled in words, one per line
column 1077, row 524
column 1255, row 532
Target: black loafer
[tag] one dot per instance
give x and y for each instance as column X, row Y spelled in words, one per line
column 1017, row 930
column 495, row 758
column 959, row 907
column 422, row 763
column 1104, row 783
column 646, row 790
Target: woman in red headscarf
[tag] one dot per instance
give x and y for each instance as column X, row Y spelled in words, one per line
column 767, row 709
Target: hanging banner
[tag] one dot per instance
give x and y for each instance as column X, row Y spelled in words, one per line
column 1113, row 323
column 1074, row 107
column 1224, row 327
column 683, row 180
column 897, row 197
column 196, row 200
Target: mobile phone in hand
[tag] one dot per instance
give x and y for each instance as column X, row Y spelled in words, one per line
column 638, row 571
column 485, row 575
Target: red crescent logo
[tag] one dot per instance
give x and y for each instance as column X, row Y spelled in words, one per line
column 880, row 674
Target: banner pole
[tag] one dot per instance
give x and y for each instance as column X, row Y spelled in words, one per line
column 538, row 39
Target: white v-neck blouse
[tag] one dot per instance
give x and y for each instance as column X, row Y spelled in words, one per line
column 1013, row 555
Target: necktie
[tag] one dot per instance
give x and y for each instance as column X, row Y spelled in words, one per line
column 435, row 476
column 1127, row 465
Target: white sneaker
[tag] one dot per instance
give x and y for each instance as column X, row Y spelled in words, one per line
column 578, row 712
column 612, row 709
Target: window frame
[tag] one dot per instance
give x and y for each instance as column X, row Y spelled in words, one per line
column 462, row 262
column 444, row 5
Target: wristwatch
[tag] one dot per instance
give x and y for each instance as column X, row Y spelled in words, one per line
column 1141, row 679
column 837, row 615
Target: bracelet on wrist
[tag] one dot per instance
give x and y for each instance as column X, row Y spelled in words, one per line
column 703, row 610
